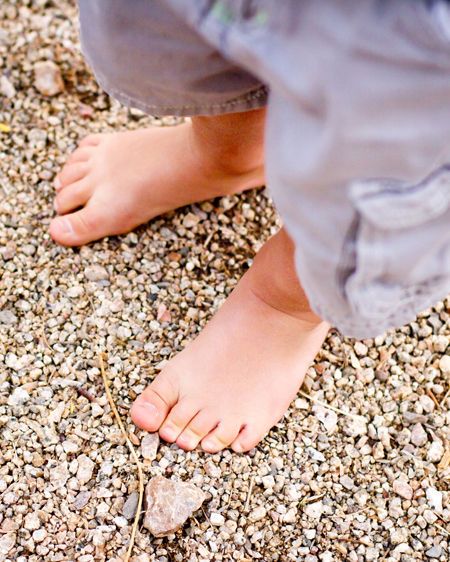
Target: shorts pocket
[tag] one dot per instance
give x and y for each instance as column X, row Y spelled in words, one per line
column 398, row 250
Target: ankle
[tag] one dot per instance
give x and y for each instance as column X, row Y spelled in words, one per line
column 273, row 279
column 231, row 144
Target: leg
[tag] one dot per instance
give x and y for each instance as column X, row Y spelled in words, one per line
column 236, row 380
column 122, row 180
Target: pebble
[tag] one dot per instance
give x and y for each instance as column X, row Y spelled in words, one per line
column 434, row 551
column 355, row 426
column 444, row 364
column 399, row 535
column 216, row 519
column 130, row 506
column 257, row 514
column 85, row 469
column 314, row 510
column 39, row 535
column 169, row 504
column 32, row 521
column 418, row 435
column 149, row 446
column 427, row 403
column 19, row 397
column 47, row 78
column 212, row 470
column 327, row 417
column 7, row 88
column 95, row 273
column 6, row 544
column 81, row 500
column 8, row 318
column 403, row 489
column 435, row 451
column 435, row 498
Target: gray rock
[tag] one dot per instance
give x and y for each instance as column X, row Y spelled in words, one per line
column 85, row 469
column 130, row 506
column 403, row 489
column 434, row 551
column 81, row 500
column 169, row 504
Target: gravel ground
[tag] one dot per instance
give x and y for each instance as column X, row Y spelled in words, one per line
column 323, row 486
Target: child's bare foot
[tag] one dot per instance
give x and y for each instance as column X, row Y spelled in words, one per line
column 115, row 182
column 236, row 380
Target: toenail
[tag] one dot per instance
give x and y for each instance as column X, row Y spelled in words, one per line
column 64, row 226
column 55, row 205
column 57, row 183
column 148, row 407
column 169, row 433
column 210, row 444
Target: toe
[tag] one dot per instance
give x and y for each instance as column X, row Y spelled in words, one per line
column 75, row 196
column 70, row 174
column 178, row 418
column 151, row 408
column 79, row 228
column 221, row 437
column 247, row 439
column 81, row 154
column 90, row 140
column 199, row 426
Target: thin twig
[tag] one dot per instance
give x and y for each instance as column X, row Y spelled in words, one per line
column 433, row 397
column 133, row 454
column 325, row 405
column 442, row 529
column 249, row 495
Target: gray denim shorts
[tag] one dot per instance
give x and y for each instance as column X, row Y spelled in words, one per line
column 358, row 127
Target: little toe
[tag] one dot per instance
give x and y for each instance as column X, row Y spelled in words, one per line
column 247, row 439
column 221, row 437
column 70, row 174
column 177, row 419
column 75, row 196
column 202, row 424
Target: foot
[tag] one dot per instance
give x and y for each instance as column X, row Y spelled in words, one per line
column 114, row 182
column 236, row 380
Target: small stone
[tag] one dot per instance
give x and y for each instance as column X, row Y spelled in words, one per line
column 149, row 446
column 216, row 519
column 19, row 397
column 355, row 426
column 399, row 535
column 191, row 220
column 75, row 291
column 327, row 417
column 39, row 535
column 444, row 364
column 6, row 544
column 347, row 482
column 360, row 349
column 7, row 88
column 47, row 78
column 7, row 318
column 32, row 521
column 435, row 498
column 81, row 500
column 212, row 470
column 436, row 451
column 130, row 506
column 418, row 435
column 326, row 556
column 170, row 504
column 85, row 469
column 434, row 551
column 257, row 514
column 95, row 273
column 315, row 455
column 314, row 510
column 403, row 489
column 427, row 404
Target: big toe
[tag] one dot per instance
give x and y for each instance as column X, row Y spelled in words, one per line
column 150, row 409
column 81, row 227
